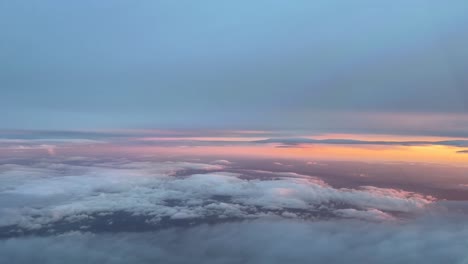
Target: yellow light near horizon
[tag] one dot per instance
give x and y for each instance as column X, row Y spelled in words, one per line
column 371, row 153
column 357, row 152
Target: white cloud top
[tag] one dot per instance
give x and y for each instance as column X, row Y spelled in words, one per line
column 37, row 196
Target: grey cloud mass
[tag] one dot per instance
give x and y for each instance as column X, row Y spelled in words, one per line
column 225, row 64
column 262, row 242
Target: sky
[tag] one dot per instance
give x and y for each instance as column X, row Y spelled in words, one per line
column 393, row 67
column 212, row 131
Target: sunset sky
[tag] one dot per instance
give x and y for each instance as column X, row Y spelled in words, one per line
column 252, row 120
column 377, row 71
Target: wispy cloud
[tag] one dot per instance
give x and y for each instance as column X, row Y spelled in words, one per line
column 287, row 142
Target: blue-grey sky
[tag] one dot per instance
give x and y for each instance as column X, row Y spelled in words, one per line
column 318, row 65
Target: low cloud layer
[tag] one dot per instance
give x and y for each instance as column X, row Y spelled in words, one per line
column 260, row 242
column 40, row 195
column 116, row 210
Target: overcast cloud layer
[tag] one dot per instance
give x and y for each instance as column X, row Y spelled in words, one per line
column 267, row 64
column 264, row 242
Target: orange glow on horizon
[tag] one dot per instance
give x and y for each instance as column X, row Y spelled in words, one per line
column 242, row 146
column 371, row 153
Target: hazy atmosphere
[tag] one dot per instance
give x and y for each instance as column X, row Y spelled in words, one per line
column 233, row 131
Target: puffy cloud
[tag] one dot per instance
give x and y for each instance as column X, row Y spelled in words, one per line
column 38, row 196
column 221, row 162
column 211, row 214
column 371, row 214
